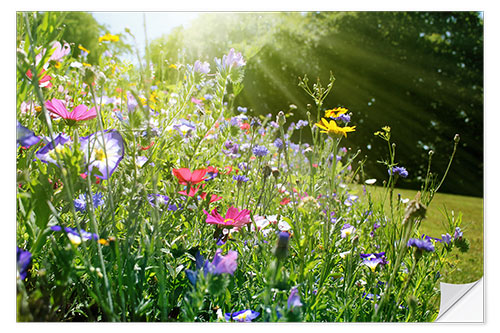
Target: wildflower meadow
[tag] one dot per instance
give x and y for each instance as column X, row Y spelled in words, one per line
column 140, row 199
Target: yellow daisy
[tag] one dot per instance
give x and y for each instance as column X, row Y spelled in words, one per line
column 332, row 129
column 109, row 38
column 334, row 113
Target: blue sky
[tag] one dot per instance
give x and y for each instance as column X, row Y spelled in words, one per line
column 157, row 23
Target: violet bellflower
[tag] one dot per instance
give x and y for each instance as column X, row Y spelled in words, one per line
column 242, row 316
column 23, row 260
column 48, row 154
column 102, row 151
column 294, row 299
column 219, row 265
column 25, row 137
column 232, row 60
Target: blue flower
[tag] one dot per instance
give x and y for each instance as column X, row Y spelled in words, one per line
column 458, row 234
column 421, row 244
column 22, row 262
column 103, row 151
column 241, row 178
column 242, row 109
column 260, row 151
column 74, row 235
column 208, row 97
column 25, row 137
column 80, row 203
column 219, row 265
column 278, row 143
column 48, row 154
column 446, row 238
column 343, row 117
column 294, row 299
column 242, row 316
column 301, row 123
column 401, row 171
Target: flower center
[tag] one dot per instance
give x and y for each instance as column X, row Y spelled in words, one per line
column 229, row 221
column 99, row 154
column 57, row 150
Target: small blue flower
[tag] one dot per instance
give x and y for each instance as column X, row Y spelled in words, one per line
column 294, row 299
column 458, row 234
column 401, row 171
column 446, row 238
column 301, row 123
column 344, row 118
column 278, row 143
column 25, row 137
column 260, row 151
column 80, row 203
column 242, row 316
column 241, row 178
column 242, row 109
column 421, row 244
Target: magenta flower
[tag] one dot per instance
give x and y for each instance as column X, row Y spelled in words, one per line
column 80, row 113
column 233, row 218
column 59, row 51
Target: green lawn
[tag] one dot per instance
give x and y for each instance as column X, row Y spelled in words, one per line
column 463, row 267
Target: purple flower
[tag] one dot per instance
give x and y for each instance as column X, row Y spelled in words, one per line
column 372, row 260
column 219, row 265
column 25, row 137
column 47, row 154
column 243, row 165
column 242, row 109
column 294, row 299
column 347, row 230
column 231, row 60
column 458, row 234
column 343, row 117
column 201, row 67
column 421, row 244
column 22, row 262
column 81, row 203
column 260, row 151
column 208, row 97
column 301, row 123
column 74, row 235
column 446, row 238
column 281, row 250
column 401, row 171
column 103, row 151
column 240, row 178
column 158, row 198
column 242, row 316
column 278, row 143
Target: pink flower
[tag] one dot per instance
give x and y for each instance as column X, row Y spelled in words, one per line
column 233, row 218
column 81, row 112
column 59, row 51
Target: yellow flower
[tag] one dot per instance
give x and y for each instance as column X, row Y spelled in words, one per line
column 83, row 49
column 334, row 113
column 332, row 129
column 109, row 38
column 172, row 66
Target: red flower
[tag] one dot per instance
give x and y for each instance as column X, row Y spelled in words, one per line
column 185, row 176
column 233, row 218
column 245, row 126
column 147, row 147
column 213, row 198
column 284, row 201
column 192, row 191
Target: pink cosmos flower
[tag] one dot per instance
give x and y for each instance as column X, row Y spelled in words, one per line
column 233, row 218
column 59, row 51
column 81, row 112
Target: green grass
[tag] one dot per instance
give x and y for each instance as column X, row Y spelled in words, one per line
column 462, row 267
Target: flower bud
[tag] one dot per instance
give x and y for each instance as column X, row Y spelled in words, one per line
column 266, row 171
column 281, row 250
column 456, row 138
column 280, row 119
column 431, row 152
column 276, row 172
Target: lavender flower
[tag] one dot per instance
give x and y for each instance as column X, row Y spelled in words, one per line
column 347, row 230
column 446, row 238
column 301, row 123
column 278, row 143
column 231, row 60
column 240, row 179
column 343, row 117
column 242, row 109
column 219, row 265
column 260, row 151
column 294, row 299
column 201, row 67
column 48, row 154
column 158, row 198
column 458, row 234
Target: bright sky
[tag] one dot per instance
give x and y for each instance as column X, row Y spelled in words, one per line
column 157, row 23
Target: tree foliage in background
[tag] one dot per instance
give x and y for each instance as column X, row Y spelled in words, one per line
column 421, row 73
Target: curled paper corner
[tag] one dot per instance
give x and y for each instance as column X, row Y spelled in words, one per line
column 462, row 303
